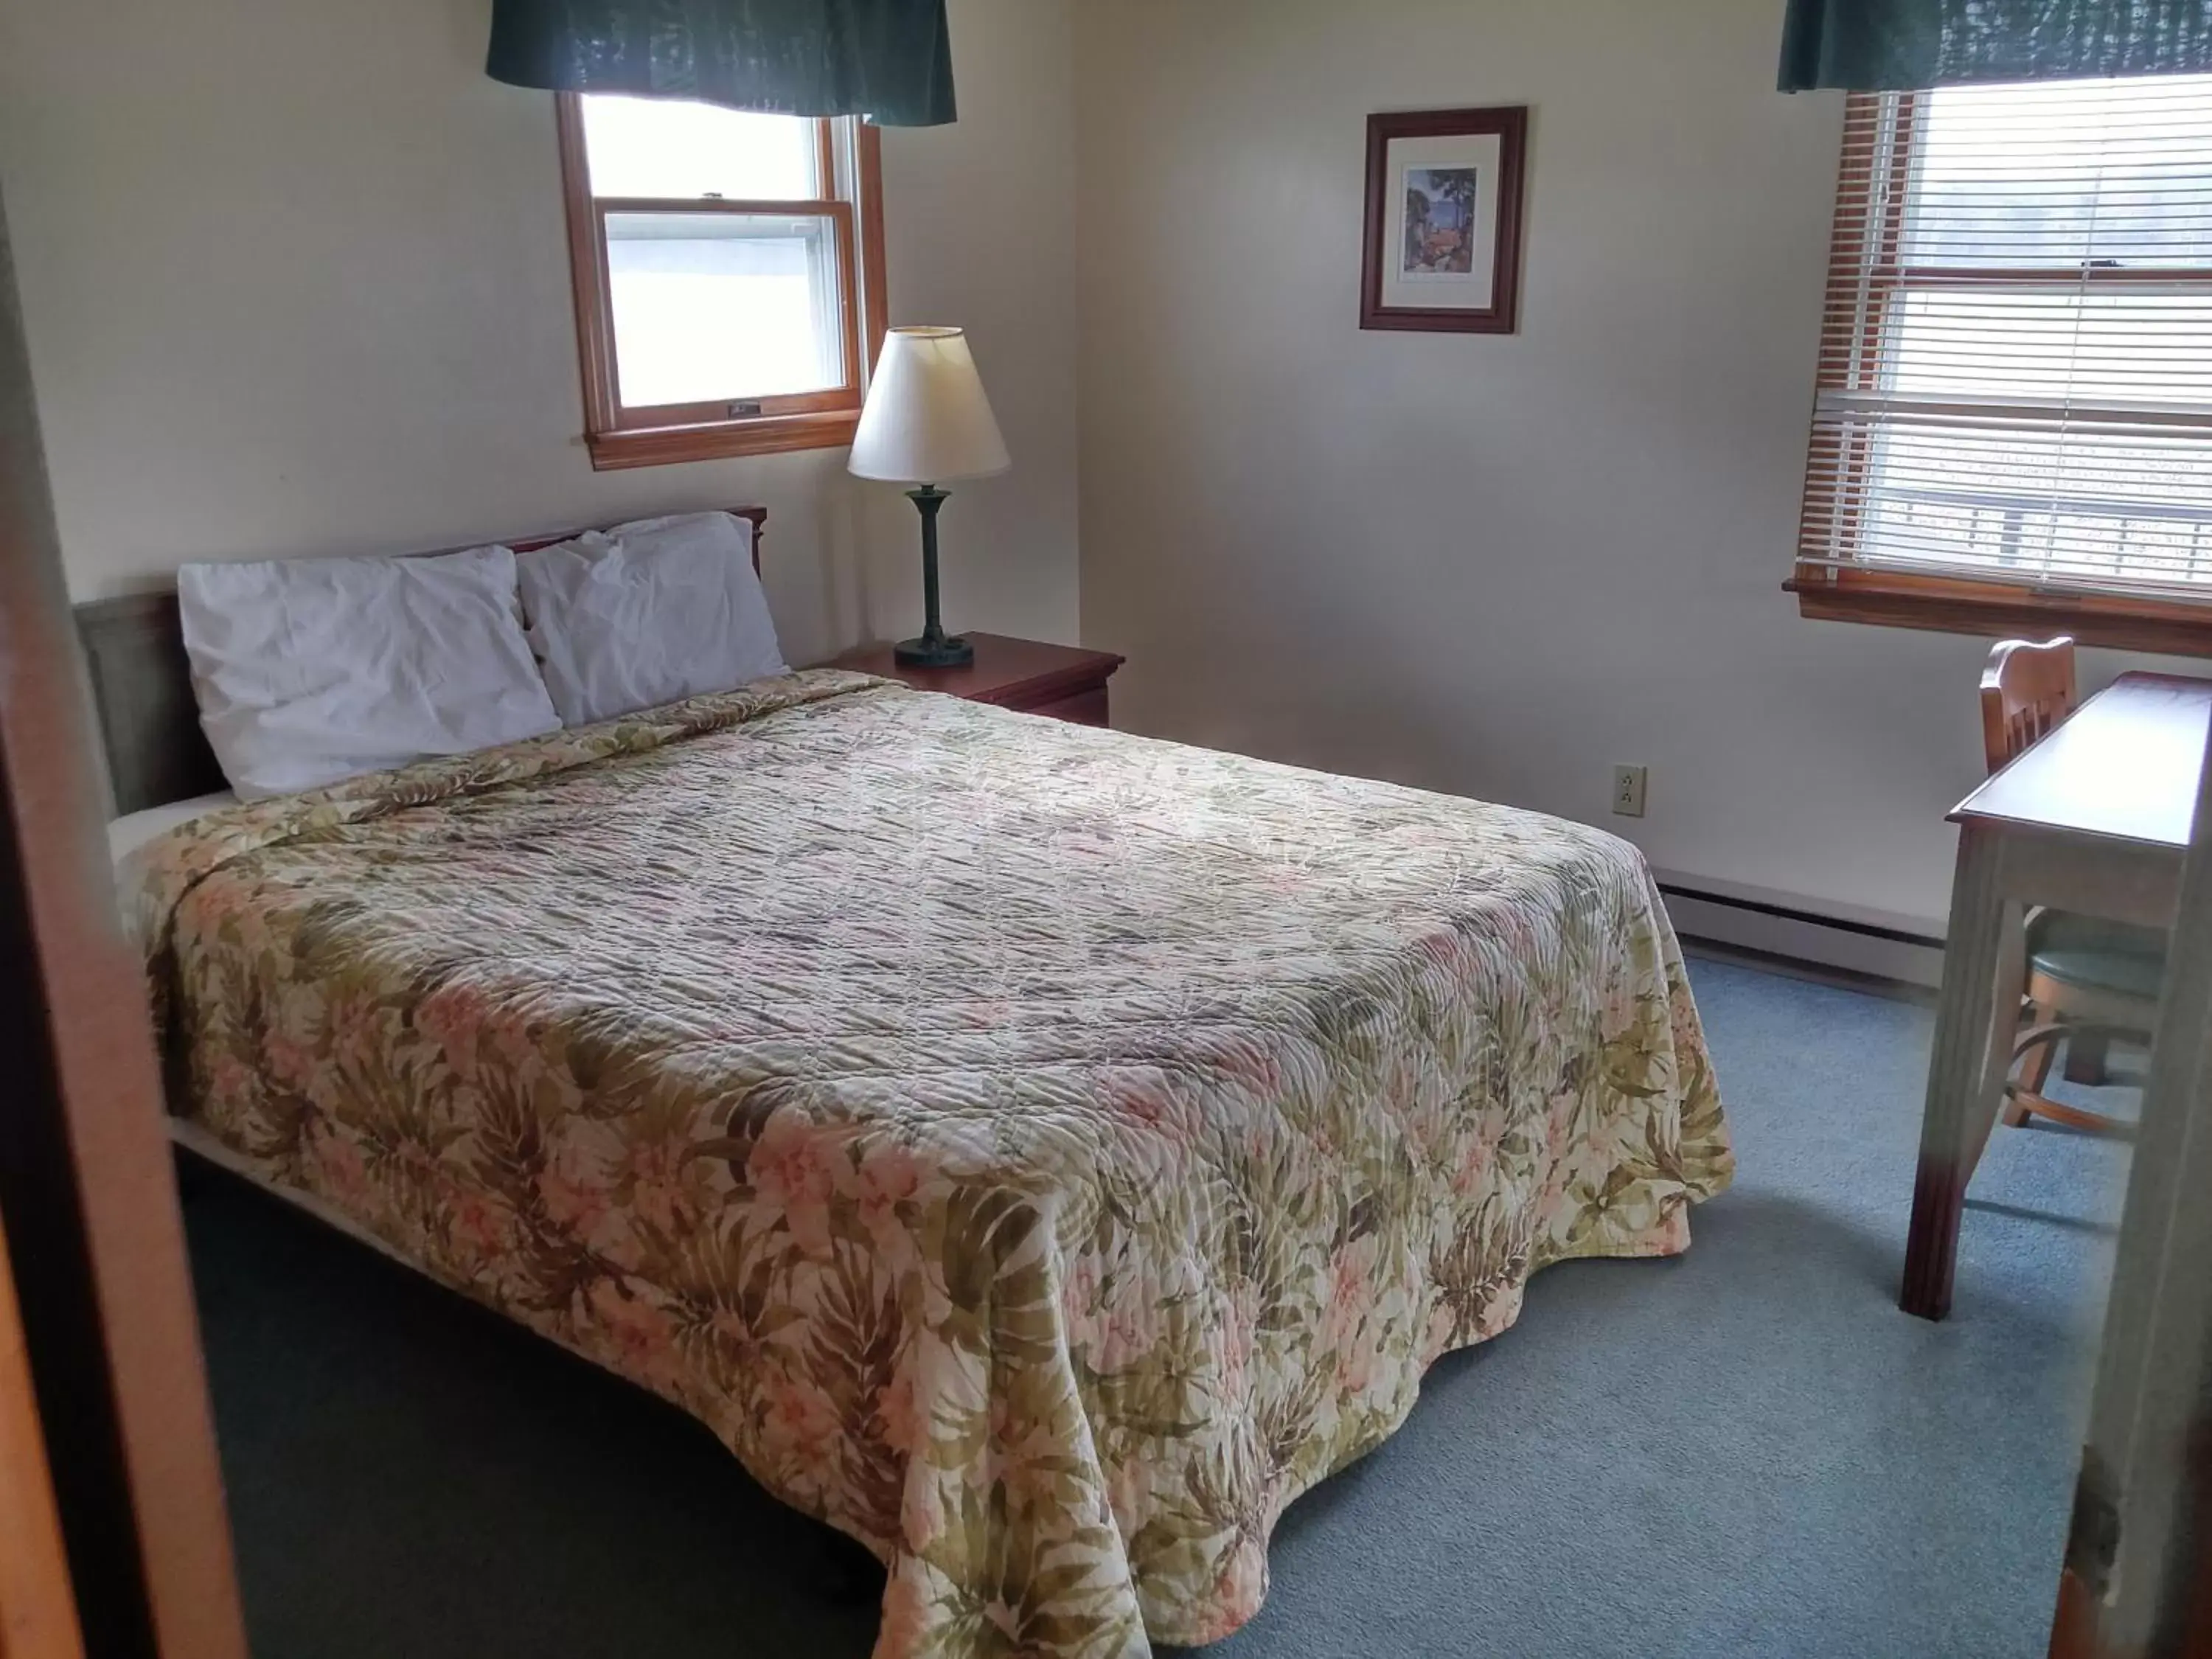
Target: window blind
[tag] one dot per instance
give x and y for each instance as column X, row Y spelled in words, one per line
column 2015, row 374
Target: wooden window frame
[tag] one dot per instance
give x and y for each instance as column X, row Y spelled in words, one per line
column 1947, row 602
column 619, row 436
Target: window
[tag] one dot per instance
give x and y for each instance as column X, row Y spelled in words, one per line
column 2014, row 425
column 729, row 276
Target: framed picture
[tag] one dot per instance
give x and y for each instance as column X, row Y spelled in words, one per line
column 1443, row 221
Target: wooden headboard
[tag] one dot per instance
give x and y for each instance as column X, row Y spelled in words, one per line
column 142, row 687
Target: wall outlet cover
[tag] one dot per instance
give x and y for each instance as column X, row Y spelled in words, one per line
column 1628, row 783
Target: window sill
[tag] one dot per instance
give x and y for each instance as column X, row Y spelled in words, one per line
column 1993, row 610
column 667, row 445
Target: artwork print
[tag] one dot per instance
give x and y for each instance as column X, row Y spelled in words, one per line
column 1441, row 204
column 1441, row 250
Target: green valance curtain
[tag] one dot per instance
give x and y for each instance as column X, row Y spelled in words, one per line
column 1875, row 45
column 888, row 59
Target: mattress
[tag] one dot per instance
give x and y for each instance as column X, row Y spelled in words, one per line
column 1041, row 1153
column 127, row 834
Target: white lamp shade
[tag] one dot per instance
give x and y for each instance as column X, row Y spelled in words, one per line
column 928, row 420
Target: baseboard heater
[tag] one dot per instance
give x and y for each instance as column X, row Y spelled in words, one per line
column 1782, row 930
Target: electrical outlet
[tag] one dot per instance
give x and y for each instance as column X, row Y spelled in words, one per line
column 1628, row 792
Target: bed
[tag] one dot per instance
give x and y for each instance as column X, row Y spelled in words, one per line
column 1040, row 1154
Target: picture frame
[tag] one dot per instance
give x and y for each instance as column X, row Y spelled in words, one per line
column 1444, row 197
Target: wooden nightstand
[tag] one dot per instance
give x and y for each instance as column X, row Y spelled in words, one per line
column 1063, row 681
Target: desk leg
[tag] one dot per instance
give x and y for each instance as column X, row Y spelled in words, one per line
column 1965, row 1076
column 2005, row 1014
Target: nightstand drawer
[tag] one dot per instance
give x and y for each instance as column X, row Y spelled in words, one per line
column 1084, row 708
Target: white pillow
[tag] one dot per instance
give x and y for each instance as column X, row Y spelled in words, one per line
column 647, row 613
column 309, row 671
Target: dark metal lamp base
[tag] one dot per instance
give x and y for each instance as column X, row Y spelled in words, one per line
column 938, row 653
column 935, row 648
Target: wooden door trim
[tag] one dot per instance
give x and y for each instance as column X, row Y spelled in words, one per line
column 96, row 1238
column 37, row 1611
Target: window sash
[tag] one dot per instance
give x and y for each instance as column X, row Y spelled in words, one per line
column 846, row 394
column 620, row 434
column 1842, row 569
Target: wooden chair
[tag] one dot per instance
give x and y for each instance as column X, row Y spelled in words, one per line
column 2026, row 690
column 2089, row 981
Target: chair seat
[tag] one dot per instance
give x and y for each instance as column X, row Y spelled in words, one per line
column 2091, row 954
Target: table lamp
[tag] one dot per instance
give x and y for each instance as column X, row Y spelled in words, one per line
column 927, row 422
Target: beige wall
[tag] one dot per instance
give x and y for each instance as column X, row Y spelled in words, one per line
column 1494, row 566
column 296, row 281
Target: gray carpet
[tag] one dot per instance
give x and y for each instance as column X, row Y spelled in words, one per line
column 1749, row 1450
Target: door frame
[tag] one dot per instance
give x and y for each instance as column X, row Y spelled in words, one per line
column 87, row 1188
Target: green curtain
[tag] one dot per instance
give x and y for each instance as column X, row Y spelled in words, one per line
column 888, row 59
column 1873, row 46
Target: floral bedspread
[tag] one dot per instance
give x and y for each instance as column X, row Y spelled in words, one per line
column 1041, row 1153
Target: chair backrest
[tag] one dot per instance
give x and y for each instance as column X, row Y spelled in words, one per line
column 2026, row 690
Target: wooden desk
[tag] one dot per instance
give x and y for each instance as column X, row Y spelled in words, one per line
column 2093, row 819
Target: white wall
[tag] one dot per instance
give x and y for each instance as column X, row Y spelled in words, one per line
column 1494, row 566
column 297, row 281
